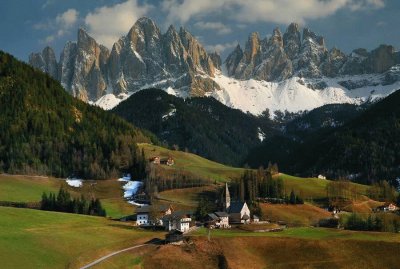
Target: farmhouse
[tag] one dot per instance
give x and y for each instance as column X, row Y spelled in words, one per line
column 170, row 161
column 223, row 219
column 387, row 207
column 151, row 215
column 179, row 220
column 155, row 160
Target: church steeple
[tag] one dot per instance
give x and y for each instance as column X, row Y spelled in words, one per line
column 227, row 201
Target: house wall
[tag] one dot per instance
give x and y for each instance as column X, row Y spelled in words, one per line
column 224, row 222
column 184, row 224
column 142, row 219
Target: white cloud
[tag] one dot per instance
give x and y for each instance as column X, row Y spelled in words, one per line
column 277, row 11
column 68, row 18
column 219, row 27
column 59, row 26
column 108, row 23
column 366, row 4
column 221, row 47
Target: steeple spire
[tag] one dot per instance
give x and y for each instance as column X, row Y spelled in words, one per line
column 227, row 202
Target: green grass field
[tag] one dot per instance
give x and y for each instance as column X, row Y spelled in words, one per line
column 39, row 239
column 312, row 188
column 26, row 188
column 30, row 189
column 193, row 163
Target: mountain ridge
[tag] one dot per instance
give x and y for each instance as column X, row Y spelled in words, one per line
column 178, row 63
column 45, row 131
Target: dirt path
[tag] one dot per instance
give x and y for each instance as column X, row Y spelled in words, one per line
column 118, row 252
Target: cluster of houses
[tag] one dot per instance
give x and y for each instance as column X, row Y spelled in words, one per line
column 166, row 161
column 164, row 215
column 233, row 213
column 387, row 207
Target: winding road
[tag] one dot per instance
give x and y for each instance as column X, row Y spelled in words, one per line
column 118, row 252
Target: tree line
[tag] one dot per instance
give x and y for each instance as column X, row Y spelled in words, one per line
column 64, row 202
column 380, row 223
column 159, row 179
column 44, row 130
column 261, row 184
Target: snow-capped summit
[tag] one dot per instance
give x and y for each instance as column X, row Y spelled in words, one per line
column 291, row 71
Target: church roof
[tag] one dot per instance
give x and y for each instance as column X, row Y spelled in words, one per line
column 236, row 207
column 221, row 214
column 227, row 194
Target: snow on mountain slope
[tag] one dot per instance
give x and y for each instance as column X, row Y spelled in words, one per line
column 296, row 94
column 109, row 101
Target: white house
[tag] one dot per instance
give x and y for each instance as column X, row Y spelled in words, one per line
column 223, row 219
column 179, row 220
column 143, row 215
column 256, row 219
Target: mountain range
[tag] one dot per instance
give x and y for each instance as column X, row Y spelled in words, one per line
column 292, row 71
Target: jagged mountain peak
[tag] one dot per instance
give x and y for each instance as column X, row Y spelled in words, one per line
column 143, row 56
column 177, row 61
column 171, row 29
column 276, row 38
column 293, row 28
column 310, row 35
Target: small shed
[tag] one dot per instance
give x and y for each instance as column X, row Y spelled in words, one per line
column 174, row 236
column 256, row 219
column 155, row 160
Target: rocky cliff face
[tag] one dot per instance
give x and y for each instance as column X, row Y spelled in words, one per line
column 303, row 55
column 146, row 57
column 142, row 57
column 45, row 61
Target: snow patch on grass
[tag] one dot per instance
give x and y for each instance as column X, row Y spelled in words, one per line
column 74, row 182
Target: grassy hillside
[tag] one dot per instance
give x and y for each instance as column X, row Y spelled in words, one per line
column 26, row 188
column 292, row 248
column 194, row 164
column 312, row 188
column 40, row 239
column 30, row 189
column 294, row 215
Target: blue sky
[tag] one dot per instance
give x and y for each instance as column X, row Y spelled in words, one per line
column 29, row 25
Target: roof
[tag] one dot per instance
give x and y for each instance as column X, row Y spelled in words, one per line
column 148, row 208
column 178, row 215
column 236, row 207
column 255, row 217
column 213, row 216
column 221, row 214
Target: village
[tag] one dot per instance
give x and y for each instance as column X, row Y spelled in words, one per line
column 230, row 213
column 180, row 222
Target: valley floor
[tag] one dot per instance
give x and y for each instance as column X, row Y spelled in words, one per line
column 57, row 240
